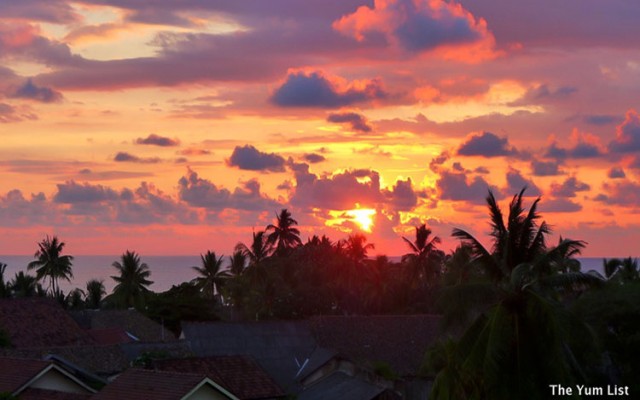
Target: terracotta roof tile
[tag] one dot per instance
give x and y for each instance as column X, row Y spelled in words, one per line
column 39, row 322
column 399, row 340
column 138, row 384
column 16, row 372
column 240, row 375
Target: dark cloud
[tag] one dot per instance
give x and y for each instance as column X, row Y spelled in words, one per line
column 356, row 121
column 402, row 196
column 249, row 158
column 414, row 25
column 157, row 140
column 314, row 89
column 52, row 11
column 486, row 144
column 437, row 162
column 456, row 186
column 515, row 183
column 627, row 135
column 192, row 151
column 545, row 168
column 560, row 205
column 127, row 157
column 545, row 94
column 32, row 92
column 600, row 119
column 625, row 193
column 71, row 192
column 203, row 193
column 341, row 191
column 616, row 173
column 581, row 146
column 8, row 113
column 313, row 158
column 17, row 210
column 569, row 187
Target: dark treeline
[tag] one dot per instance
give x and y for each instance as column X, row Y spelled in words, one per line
column 518, row 315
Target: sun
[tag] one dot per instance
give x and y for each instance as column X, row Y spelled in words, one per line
column 363, row 217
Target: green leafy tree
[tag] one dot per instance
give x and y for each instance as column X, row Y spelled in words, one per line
column 132, row 283
column 51, row 264
column 521, row 335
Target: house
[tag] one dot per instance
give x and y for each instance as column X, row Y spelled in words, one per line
column 137, row 326
column 138, row 384
column 280, row 348
column 39, row 322
column 239, row 374
column 37, row 379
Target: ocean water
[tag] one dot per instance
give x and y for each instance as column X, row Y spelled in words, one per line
column 166, row 271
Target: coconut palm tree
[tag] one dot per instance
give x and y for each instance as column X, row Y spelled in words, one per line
column 95, row 293
column 50, row 263
column 521, row 335
column 23, row 285
column 259, row 250
column 425, row 259
column 132, row 283
column 211, row 278
column 237, row 263
column 283, row 235
column 621, row 270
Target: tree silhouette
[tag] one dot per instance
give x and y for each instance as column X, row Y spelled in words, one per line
column 50, row 263
column 283, row 235
column 132, row 283
column 211, row 278
column 95, row 293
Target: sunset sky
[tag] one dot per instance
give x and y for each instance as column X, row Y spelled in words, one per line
column 175, row 127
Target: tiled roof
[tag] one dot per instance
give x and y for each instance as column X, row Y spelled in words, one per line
column 15, row 372
column 341, row 386
column 398, row 340
column 139, row 384
column 38, row 322
column 102, row 360
column 109, row 336
column 240, row 375
column 278, row 347
column 131, row 321
column 44, row 394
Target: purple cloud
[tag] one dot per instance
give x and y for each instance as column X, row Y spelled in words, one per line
column 456, row 186
column 127, row 157
column 249, row 158
column 627, row 135
column 356, row 121
column 545, row 168
column 487, row 145
column 616, row 173
column 569, row 187
column 314, row 89
column 313, row 158
column 32, row 92
column 157, row 140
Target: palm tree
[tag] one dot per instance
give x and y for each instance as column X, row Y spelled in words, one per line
column 95, row 293
column 425, row 259
column 211, row 277
column 521, row 335
column 283, row 234
column 131, row 288
column 51, row 263
column 237, row 263
column 259, row 250
column 23, row 285
column 356, row 248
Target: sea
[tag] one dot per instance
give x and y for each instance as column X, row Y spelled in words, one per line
column 166, row 271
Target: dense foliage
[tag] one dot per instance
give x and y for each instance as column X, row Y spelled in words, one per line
column 518, row 314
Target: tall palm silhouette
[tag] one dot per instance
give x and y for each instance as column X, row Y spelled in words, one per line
column 521, row 333
column 425, row 259
column 259, row 250
column 212, row 277
column 132, row 283
column 283, row 235
column 50, row 263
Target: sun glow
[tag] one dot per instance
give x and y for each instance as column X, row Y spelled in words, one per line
column 363, row 217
